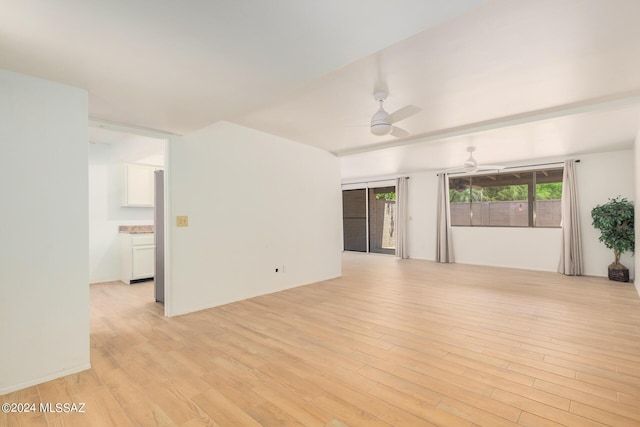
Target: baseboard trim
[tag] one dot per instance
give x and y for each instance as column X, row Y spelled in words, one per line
column 44, row 379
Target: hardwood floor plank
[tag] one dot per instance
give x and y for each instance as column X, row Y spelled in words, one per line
column 406, row 356
column 297, row 407
column 628, row 399
column 542, row 410
column 101, row 410
column 588, row 411
column 133, row 399
column 391, row 342
column 584, row 365
column 539, row 395
column 462, row 391
column 617, row 384
column 29, row 396
column 472, row 413
column 505, row 373
column 613, row 406
column 541, row 370
column 614, row 361
column 352, row 393
column 429, row 414
column 222, row 410
column 528, row 419
column 349, row 414
column 576, row 383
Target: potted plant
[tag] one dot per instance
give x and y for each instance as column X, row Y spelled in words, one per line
column 615, row 219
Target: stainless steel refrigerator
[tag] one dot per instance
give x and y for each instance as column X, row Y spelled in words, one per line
column 159, row 233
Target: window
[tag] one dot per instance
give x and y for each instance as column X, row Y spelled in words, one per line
column 507, row 199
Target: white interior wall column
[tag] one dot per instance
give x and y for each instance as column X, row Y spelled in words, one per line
column 44, row 273
column 636, row 152
column 276, row 225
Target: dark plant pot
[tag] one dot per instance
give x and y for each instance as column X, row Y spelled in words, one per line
column 618, row 272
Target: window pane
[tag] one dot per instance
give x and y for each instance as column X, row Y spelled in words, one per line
column 513, row 213
column 548, row 198
column 459, row 194
column 382, row 218
column 477, row 214
column 548, row 213
column 460, row 213
column 503, row 199
column 506, row 199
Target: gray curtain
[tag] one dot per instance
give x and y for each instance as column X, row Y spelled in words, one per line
column 444, row 239
column 402, row 189
column 571, row 251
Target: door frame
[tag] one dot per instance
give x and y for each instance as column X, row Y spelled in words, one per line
column 169, row 139
column 366, row 185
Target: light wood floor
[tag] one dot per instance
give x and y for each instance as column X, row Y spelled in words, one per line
column 403, row 343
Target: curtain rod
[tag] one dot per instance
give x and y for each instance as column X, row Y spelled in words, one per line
column 539, row 164
column 374, row 180
column 518, row 167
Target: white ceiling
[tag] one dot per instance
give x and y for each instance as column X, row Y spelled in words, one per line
column 518, row 79
column 178, row 66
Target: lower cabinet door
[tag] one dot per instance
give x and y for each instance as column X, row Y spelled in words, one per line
column 143, row 261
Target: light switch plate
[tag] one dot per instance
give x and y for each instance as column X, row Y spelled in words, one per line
column 182, row 221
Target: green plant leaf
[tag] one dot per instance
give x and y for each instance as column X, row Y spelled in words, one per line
column 615, row 220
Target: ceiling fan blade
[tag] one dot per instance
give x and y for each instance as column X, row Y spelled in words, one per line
column 489, row 167
column 399, row 133
column 402, row 113
column 454, row 170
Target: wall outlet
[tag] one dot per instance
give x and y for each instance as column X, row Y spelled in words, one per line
column 182, row 221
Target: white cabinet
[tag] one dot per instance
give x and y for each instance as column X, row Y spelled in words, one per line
column 137, row 256
column 138, row 185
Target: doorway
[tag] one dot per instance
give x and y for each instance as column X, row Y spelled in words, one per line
column 122, row 161
column 369, row 219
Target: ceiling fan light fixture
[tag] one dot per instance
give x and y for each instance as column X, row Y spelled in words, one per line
column 382, row 123
column 470, row 165
column 381, row 129
column 379, row 124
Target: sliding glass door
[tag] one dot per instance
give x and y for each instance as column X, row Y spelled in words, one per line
column 354, row 219
column 369, row 216
column 382, row 217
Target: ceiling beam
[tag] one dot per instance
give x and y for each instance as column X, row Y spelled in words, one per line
column 611, row 102
column 134, row 130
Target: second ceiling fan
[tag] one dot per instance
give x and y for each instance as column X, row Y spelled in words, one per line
column 382, row 122
column 471, row 165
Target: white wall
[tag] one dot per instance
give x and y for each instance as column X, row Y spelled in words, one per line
column 255, row 202
column 600, row 176
column 44, row 292
column 105, row 212
column 636, row 152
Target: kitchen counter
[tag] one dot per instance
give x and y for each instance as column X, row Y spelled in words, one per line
column 136, row 229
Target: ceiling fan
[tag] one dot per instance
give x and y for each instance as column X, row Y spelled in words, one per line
column 382, row 122
column 471, row 165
